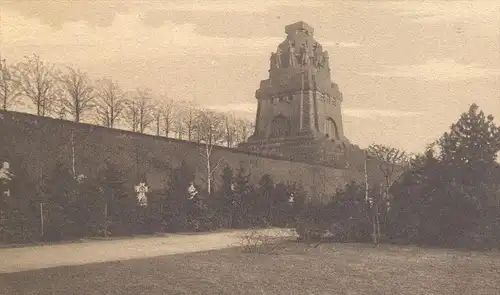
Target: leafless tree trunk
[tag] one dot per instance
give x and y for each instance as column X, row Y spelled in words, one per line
column 169, row 115
column 390, row 162
column 10, row 87
column 110, row 103
column 230, row 125
column 41, row 220
column 374, row 230
column 369, row 201
column 145, row 108
column 139, row 112
column 131, row 114
column 179, row 129
column 79, row 96
column 209, row 127
column 73, row 156
column 186, row 119
column 244, row 129
column 158, row 117
column 199, row 130
column 189, row 118
column 39, row 82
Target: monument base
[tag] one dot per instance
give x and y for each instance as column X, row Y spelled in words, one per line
column 309, row 149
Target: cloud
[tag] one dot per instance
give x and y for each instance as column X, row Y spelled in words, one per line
column 56, row 13
column 372, row 113
column 445, row 11
column 251, row 108
column 126, row 34
column 340, row 44
column 221, row 6
column 234, row 107
column 248, row 6
column 437, row 70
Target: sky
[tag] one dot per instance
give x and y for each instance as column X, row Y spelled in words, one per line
column 407, row 69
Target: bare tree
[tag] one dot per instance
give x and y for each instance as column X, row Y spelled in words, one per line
column 210, row 130
column 179, row 128
column 186, row 119
column 244, row 128
column 79, row 97
column 139, row 111
column 110, row 102
column 10, row 88
column 145, row 109
column 39, row 82
column 158, row 117
column 230, row 130
column 131, row 114
column 189, row 117
column 389, row 162
column 200, row 118
column 163, row 113
column 169, row 115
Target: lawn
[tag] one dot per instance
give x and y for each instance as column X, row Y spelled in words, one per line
column 298, row 269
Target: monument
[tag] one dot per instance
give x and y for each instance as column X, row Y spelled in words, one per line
column 299, row 113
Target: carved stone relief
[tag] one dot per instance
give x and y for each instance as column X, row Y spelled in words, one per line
column 280, row 127
column 304, row 54
column 291, row 53
column 278, row 57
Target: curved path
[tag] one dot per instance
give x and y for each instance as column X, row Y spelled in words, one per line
column 45, row 256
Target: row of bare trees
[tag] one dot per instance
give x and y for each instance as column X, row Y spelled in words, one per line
column 71, row 94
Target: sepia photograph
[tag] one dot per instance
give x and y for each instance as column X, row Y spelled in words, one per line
column 250, row 147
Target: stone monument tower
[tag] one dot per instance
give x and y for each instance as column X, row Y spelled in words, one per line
column 298, row 107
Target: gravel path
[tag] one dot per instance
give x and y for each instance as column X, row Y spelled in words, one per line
column 38, row 257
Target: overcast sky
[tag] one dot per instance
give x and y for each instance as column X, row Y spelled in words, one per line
column 407, row 69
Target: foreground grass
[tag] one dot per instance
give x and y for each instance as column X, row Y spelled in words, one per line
column 328, row 269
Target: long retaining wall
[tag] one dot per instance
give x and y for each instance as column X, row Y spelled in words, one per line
column 41, row 142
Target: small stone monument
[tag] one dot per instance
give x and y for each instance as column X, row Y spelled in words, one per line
column 5, row 177
column 192, row 191
column 5, row 174
column 141, row 191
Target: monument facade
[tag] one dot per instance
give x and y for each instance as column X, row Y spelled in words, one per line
column 299, row 113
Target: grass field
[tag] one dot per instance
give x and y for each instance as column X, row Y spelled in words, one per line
column 328, row 269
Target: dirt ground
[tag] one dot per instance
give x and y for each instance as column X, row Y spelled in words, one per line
column 297, row 269
column 38, row 257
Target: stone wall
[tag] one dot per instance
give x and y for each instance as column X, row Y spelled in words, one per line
column 41, row 142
